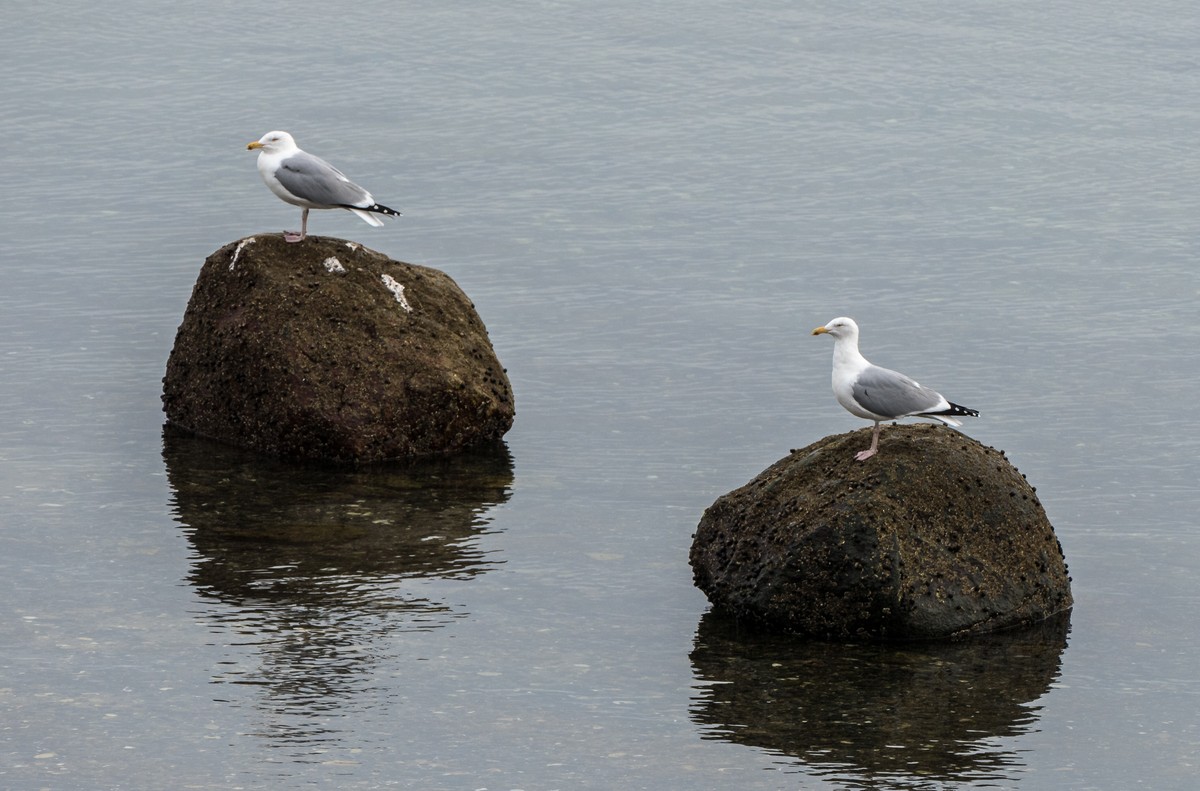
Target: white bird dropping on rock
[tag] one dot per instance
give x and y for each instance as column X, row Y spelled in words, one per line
column 300, row 178
column 875, row 393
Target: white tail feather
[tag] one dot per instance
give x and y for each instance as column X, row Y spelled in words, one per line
column 368, row 218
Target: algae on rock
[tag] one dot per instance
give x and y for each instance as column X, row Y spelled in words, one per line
column 327, row 350
column 937, row 536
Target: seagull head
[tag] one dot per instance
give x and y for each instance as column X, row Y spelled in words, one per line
column 841, row 327
column 273, row 143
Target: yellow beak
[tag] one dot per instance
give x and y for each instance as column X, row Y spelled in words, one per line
column 254, row 145
column 820, row 331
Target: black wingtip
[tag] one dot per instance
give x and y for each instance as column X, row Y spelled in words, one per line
column 962, row 411
column 375, row 207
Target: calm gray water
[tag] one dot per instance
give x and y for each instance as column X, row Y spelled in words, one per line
column 651, row 206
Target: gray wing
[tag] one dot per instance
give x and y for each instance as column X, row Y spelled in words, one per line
column 315, row 180
column 892, row 394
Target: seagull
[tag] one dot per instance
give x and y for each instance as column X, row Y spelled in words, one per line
column 302, row 179
column 878, row 394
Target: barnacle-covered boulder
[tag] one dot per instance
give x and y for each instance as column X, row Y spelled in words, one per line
column 937, row 536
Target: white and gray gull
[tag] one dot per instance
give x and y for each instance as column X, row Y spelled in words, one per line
column 878, row 394
column 310, row 182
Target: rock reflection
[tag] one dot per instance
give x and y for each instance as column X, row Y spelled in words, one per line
column 315, row 565
column 913, row 716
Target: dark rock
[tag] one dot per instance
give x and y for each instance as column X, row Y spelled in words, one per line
column 938, row 536
column 327, row 350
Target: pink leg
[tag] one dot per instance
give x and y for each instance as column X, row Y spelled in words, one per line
column 292, row 236
column 863, row 455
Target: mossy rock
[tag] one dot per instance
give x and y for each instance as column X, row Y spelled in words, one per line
column 327, row 350
column 938, row 536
